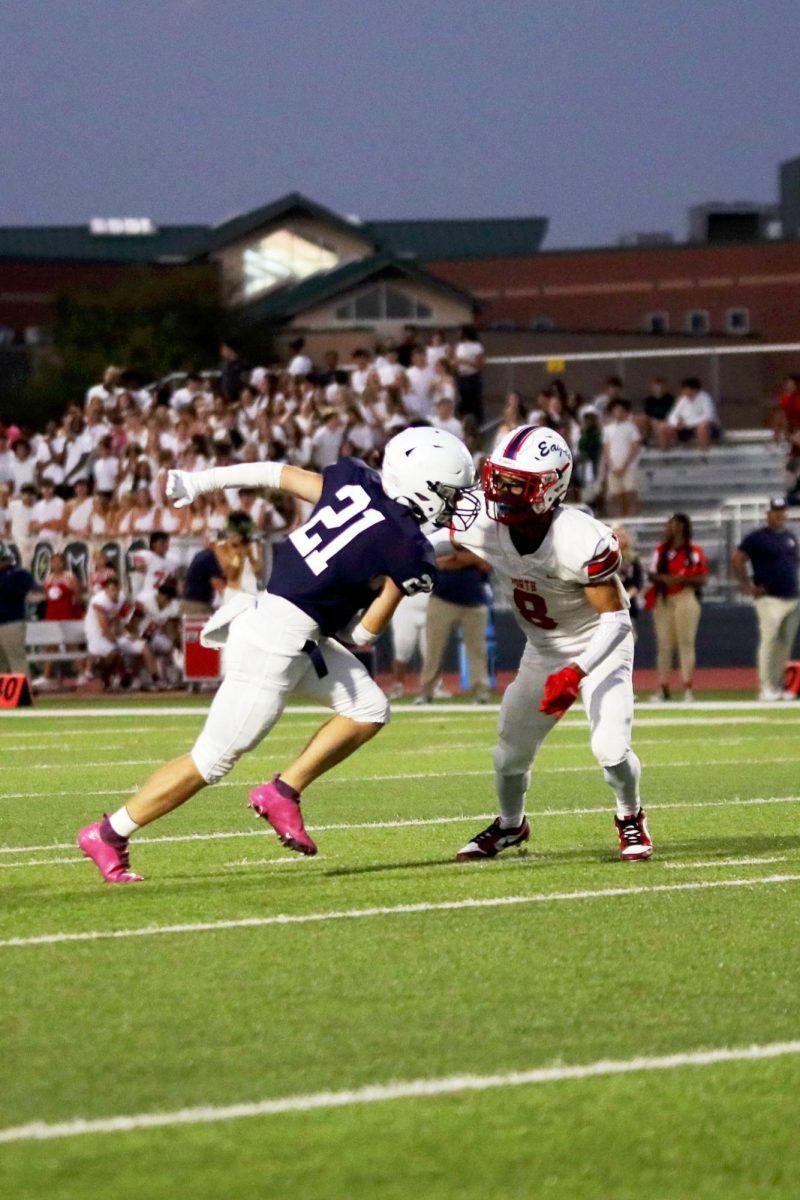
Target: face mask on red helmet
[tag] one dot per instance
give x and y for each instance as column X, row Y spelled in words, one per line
column 526, row 475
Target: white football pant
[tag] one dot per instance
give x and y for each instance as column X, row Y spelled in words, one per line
column 607, row 696
column 265, row 664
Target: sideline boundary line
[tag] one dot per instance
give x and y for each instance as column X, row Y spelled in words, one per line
column 397, row 910
column 378, row 1093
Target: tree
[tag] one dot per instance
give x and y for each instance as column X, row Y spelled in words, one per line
column 154, row 322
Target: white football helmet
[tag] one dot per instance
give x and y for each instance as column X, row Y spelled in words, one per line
column 528, row 472
column 431, row 471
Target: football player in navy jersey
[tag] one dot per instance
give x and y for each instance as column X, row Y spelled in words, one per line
column 360, row 552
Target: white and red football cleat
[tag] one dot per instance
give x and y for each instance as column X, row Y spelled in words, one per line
column 109, row 856
column 490, row 841
column 634, row 837
column 279, row 804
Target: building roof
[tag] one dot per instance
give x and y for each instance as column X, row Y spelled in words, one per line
column 284, row 303
column 233, row 230
column 469, row 238
column 76, row 243
column 425, row 240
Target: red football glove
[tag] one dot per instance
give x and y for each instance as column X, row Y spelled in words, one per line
column 560, row 691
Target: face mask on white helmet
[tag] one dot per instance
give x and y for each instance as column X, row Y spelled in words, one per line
column 527, row 473
column 431, row 472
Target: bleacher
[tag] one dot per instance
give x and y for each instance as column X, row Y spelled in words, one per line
column 749, row 464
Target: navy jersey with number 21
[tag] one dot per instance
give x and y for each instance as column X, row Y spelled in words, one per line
column 355, row 533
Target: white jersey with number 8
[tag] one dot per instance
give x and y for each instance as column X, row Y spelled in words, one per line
column 545, row 589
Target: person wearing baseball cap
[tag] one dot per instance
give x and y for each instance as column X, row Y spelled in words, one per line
column 15, row 583
column 766, row 567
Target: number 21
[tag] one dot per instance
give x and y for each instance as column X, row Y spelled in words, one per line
column 309, row 545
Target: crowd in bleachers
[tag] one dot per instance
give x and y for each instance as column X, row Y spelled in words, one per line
column 101, row 471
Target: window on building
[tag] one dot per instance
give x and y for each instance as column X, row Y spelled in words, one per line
column 541, row 324
column 656, row 322
column 737, row 321
column 382, row 302
column 281, row 256
column 698, row 321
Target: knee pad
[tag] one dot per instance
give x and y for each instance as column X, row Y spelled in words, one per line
column 610, row 750
column 511, row 760
column 213, row 761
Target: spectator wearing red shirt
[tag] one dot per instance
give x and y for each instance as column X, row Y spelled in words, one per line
column 677, row 573
column 63, row 601
column 787, row 416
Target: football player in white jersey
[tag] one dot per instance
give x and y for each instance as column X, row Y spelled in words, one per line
column 558, row 567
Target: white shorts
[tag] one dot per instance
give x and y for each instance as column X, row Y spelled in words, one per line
column 408, row 626
column 617, row 484
column 606, row 694
column 267, row 660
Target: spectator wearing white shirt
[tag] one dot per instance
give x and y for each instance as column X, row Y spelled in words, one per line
column 20, row 515
column 692, row 418
column 445, row 418
column 78, row 512
column 105, row 467
column 421, row 379
column 96, row 424
column 622, row 445
column 390, row 372
column 364, row 376
column 438, row 348
column 183, row 397
column 106, row 391
column 47, row 518
column 23, row 465
column 470, row 358
column 327, row 441
column 300, row 364
column 6, row 459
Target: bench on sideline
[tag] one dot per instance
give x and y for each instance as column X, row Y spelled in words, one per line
column 55, row 641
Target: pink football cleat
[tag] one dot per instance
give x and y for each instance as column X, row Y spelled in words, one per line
column 279, row 804
column 110, row 857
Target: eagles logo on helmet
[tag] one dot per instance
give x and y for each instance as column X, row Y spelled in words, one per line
column 527, row 474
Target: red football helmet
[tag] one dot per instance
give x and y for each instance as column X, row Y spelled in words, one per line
column 527, row 474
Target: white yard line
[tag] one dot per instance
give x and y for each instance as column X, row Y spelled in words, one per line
column 554, row 743
column 724, row 862
column 354, row 914
column 397, row 776
column 262, row 831
column 383, row 1092
column 271, row 862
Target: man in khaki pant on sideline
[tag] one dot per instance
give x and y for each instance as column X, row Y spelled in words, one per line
column 15, row 583
column 772, row 555
column 459, row 599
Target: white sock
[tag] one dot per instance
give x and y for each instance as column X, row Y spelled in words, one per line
column 623, row 778
column 121, row 823
column 511, row 791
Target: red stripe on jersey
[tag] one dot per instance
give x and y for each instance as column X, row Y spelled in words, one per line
column 605, row 564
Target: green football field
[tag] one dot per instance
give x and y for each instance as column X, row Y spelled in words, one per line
column 381, row 1021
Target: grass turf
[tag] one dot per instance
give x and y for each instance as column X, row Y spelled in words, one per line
column 154, row 1024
